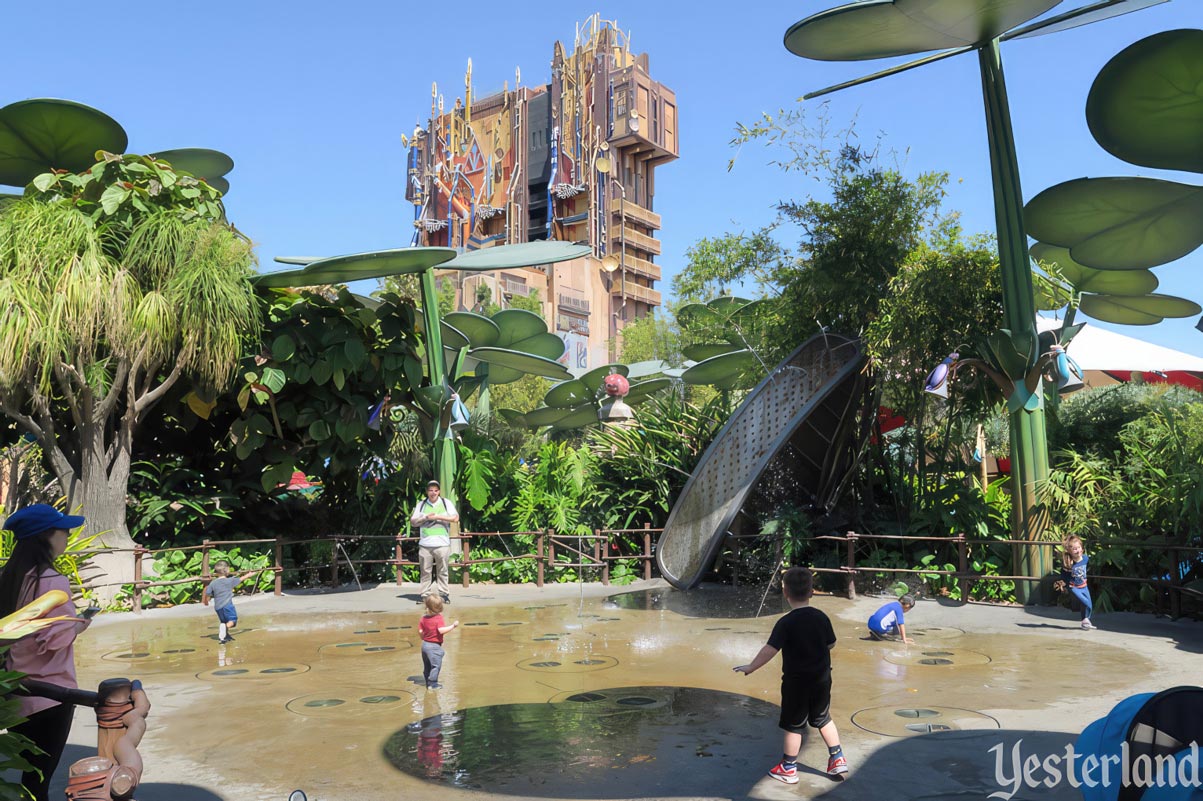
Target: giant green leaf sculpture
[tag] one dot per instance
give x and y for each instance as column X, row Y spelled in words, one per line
column 881, row 28
column 208, row 165
column 1142, row 310
column 1144, row 107
column 723, row 365
column 45, row 134
column 513, row 349
column 359, row 267
column 1119, row 223
column 884, row 28
column 1088, row 279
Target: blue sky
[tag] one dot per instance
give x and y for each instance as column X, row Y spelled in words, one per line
column 311, row 100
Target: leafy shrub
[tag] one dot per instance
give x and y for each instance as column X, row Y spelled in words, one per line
column 178, row 565
column 14, row 748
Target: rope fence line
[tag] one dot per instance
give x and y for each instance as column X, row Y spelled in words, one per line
column 966, row 578
column 594, row 551
column 544, row 555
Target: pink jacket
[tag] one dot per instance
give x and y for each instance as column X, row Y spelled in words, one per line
column 48, row 655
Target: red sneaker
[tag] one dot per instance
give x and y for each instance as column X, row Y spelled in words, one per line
column 784, row 774
column 837, row 766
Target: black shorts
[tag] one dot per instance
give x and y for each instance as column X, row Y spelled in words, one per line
column 805, row 701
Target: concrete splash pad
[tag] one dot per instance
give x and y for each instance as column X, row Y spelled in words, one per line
column 601, row 693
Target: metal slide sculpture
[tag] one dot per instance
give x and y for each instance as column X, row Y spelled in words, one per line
column 795, row 438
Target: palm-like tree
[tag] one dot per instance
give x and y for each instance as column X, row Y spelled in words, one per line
column 119, row 282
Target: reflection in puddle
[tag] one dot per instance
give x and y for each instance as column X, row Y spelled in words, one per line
column 706, row 600
column 529, row 710
column 572, row 748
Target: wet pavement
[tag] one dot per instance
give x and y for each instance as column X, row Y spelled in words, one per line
column 603, row 693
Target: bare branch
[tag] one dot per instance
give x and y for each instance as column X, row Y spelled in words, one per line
column 46, row 437
column 110, row 400
column 148, row 399
column 26, row 422
column 63, row 373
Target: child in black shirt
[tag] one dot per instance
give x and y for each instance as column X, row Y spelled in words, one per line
column 804, row 637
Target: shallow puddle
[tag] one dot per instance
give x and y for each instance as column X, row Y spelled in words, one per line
column 552, row 700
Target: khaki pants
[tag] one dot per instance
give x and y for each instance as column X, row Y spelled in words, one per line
column 432, row 562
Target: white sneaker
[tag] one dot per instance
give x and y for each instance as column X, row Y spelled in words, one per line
column 1088, row 626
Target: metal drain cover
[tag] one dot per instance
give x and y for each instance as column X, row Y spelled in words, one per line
column 909, row 721
column 941, row 657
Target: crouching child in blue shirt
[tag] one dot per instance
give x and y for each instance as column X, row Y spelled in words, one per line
column 889, row 621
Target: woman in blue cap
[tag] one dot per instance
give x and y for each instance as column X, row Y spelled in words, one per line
column 41, row 533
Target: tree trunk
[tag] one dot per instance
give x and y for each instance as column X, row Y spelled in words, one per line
column 101, row 497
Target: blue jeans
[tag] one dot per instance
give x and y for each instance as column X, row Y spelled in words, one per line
column 1083, row 596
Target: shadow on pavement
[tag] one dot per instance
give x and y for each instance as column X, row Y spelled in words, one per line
column 1186, row 634
column 951, row 766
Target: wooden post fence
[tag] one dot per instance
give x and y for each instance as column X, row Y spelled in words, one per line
column 647, row 551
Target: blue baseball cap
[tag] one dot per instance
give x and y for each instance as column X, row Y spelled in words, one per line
column 33, row 520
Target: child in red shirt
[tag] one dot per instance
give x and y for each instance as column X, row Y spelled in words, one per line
column 433, row 628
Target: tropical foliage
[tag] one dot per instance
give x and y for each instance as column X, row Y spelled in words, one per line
column 185, row 566
column 122, row 281
column 1148, row 490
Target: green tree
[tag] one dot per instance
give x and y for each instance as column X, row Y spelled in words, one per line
column 654, row 337
column 121, row 282
column 716, row 265
column 852, row 246
column 530, row 303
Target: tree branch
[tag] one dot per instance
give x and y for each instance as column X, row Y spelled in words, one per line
column 63, row 373
column 148, row 399
column 109, row 402
column 46, row 436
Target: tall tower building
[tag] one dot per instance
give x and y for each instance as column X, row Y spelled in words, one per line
column 574, row 160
